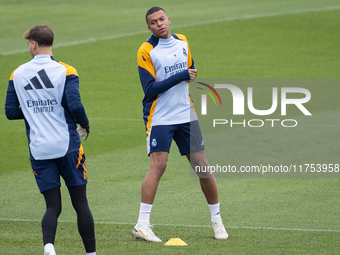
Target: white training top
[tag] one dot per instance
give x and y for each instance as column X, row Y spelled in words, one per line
column 165, row 60
column 39, row 85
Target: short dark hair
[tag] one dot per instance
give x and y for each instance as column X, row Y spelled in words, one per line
column 42, row 34
column 152, row 10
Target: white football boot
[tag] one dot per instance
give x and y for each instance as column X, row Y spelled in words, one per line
column 143, row 231
column 220, row 232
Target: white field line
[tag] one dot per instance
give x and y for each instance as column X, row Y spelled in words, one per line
column 193, row 226
column 244, row 17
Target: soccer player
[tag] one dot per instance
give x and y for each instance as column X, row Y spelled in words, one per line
column 165, row 68
column 45, row 93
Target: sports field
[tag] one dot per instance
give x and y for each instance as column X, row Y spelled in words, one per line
column 228, row 39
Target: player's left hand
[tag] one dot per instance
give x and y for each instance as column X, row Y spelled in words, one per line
column 192, row 73
column 84, row 131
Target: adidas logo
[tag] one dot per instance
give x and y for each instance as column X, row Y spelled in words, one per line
column 36, row 83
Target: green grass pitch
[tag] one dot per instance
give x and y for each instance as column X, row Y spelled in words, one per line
column 238, row 39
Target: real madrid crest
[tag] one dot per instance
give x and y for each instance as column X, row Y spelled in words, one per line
column 185, row 52
column 153, row 142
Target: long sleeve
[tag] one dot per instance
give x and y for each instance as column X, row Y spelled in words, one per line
column 12, row 107
column 73, row 100
column 152, row 88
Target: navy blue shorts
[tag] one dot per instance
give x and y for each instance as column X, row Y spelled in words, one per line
column 188, row 137
column 72, row 167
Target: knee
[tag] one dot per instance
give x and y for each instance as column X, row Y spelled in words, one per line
column 161, row 165
column 198, row 159
column 58, row 210
column 53, row 202
column 78, row 197
column 202, row 162
column 158, row 164
column 205, row 175
column 54, row 208
column 157, row 169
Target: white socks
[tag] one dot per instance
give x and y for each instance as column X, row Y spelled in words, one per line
column 144, row 212
column 91, row 253
column 215, row 211
column 49, row 249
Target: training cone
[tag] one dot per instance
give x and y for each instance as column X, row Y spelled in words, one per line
column 175, row 242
